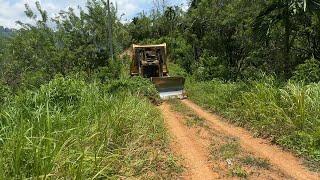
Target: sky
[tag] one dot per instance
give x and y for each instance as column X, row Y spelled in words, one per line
column 13, row 10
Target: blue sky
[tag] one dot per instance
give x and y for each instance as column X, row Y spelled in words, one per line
column 13, row 10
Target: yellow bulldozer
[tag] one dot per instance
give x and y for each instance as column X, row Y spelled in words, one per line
column 150, row 61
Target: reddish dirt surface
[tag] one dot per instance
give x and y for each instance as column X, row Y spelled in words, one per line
column 285, row 162
column 201, row 148
column 187, row 145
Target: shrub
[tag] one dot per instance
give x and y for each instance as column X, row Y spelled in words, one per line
column 176, row 70
column 308, row 72
column 60, row 92
column 110, row 72
column 210, row 68
column 33, row 79
column 135, row 86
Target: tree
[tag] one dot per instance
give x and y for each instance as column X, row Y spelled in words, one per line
column 281, row 13
column 78, row 43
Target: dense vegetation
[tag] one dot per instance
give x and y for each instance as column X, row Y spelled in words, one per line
column 72, row 129
column 78, row 43
column 256, row 63
column 68, row 110
column 235, row 40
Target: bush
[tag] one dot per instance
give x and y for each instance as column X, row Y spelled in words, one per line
column 308, row 72
column 135, row 86
column 110, row 72
column 33, row 79
column 62, row 92
column 176, row 70
column 210, row 68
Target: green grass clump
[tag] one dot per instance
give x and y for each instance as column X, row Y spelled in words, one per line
column 254, row 161
column 229, row 150
column 135, row 86
column 74, row 130
column 288, row 114
column 239, row 172
column 214, row 95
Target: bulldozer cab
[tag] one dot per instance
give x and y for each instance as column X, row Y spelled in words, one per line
column 150, row 61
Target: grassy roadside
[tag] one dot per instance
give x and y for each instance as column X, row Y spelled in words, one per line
column 288, row 115
column 71, row 129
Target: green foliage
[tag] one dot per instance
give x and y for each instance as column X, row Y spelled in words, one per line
column 233, row 40
column 215, row 95
column 79, row 43
column 110, row 72
column 61, row 92
column 303, row 143
column 239, row 172
column 210, row 68
column 4, row 93
column 308, row 72
column 72, row 129
column 180, row 52
column 136, row 86
column 156, row 25
column 176, row 70
column 258, row 162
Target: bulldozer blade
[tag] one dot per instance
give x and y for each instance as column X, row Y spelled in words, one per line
column 169, row 87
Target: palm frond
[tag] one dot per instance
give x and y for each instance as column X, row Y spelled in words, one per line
column 266, row 18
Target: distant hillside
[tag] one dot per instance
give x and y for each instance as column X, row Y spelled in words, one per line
column 6, row 31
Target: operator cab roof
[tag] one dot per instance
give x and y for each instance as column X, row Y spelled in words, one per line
column 149, row 46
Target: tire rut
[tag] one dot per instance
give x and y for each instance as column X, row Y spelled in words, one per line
column 284, row 161
column 188, row 146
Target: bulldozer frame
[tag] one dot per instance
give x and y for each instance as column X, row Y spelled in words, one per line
column 150, row 61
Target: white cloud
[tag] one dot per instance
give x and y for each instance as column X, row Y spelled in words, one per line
column 13, row 10
column 10, row 12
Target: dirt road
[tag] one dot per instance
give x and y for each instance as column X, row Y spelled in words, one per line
column 209, row 150
column 186, row 144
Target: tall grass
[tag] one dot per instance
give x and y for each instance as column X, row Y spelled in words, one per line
column 70, row 129
column 287, row 114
